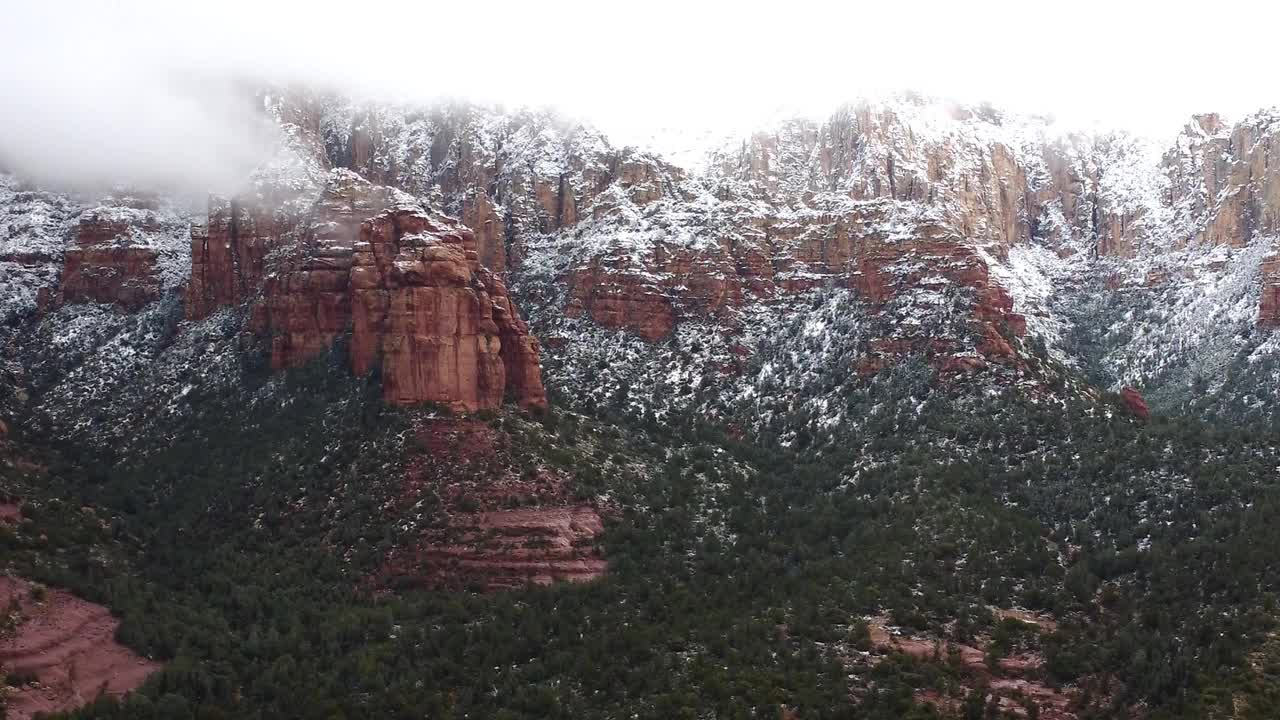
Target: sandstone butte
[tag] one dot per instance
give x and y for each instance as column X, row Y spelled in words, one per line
column 104, row 267
column 407, row 284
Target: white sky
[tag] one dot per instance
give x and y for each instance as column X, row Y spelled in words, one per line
column 90, row 87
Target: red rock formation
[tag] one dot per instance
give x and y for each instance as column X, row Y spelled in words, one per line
column 507, row 549
column 229, row 251
column 621, row 299
column 962, row 364
column 993, row 346
column 1269, row 307
column 372, row 261
column 480, row 214
column 122, row 276
column 1135, row 403
column 642, row 180
column 879, row 248
column 507, row 527
column 69, row 646
column 106, row 266
column 421, row 302
column 410, row 287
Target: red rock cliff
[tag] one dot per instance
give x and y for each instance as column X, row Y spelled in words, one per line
column 1269, row 308
column 110, row 262
column 372, row 261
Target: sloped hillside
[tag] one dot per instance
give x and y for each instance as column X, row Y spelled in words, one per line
column 854, row 387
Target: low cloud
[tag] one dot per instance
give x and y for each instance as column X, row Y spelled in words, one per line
column 159, row 93
column 79, row 110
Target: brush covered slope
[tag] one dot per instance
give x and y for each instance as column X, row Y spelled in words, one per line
column 919, row 411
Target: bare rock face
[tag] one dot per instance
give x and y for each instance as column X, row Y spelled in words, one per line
column 410, row 288
column 621, row 299
column 1249, row 201
column 892, row 199
column 507, row 527
column 1269, row 308
column 1135, row 403
column 68, row 645
column 507, row 549
column 229, row 250
column 106, row 265
column 122, row 276
column 444, row 329
column 1223, row 179
column 883, row 249
column 481, row 215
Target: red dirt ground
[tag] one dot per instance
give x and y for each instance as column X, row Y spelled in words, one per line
column 10, row 513
column 69, row 645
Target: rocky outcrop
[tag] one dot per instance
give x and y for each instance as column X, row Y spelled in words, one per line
column 507, row 526
column 372, row 261
column 1013, row 683
column 883, row 249
column 893, row 198
column 409, row 287
column 67, row 645
column 618, row 298
column 1242, row 183
column 1135, row 403
column 110, row 262
column 122, row 276
column 481, row 215
column 443, row 329
column 508, row 549
column 229, row 250
column 1269, row 307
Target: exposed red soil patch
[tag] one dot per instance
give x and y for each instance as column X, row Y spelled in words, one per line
column 508, row 524
column 10, row 513
column 68, row 645
column 1016, row 678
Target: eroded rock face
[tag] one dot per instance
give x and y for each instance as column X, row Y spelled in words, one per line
column 229, row 250
column 621, row 299
column 1242, row 182
column 1011, row 683
column 1135, row 403
column 481, row 215
column 508, row 549
column 111, row 262
column 409, row 286
column 507, row 527
column 1269, row 308
column 443, row 328
column 122, row 276
column 903, row 197
column 834, row 200
column 68, row 645
column 878, row 248
column 372, row 261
